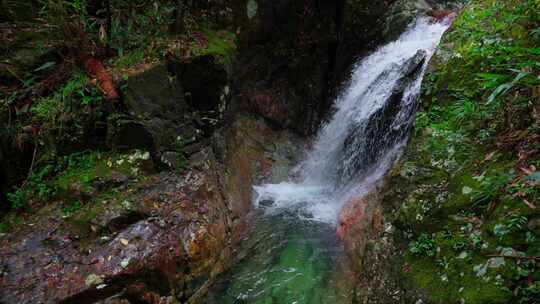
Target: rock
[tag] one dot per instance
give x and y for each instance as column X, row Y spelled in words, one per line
column 163, row 238
column 401, row 14
column 360, row 222
column 441, row 15
column 126, row 133
column 266, row 203
column 158, row 114
column 353, row 213
column 203, row 80
column 274, row 79
column 268, row 106
column 256, row 152
column 118, row 178
column 79, row 191
column 173, row 159
column 153, row 93
column 159, row 119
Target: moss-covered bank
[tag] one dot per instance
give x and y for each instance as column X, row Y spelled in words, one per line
column 465, row 197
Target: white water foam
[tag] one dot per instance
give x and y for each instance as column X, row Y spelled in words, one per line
column 320, row 191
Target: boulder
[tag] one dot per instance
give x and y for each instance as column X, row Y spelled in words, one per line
column 204, row 81
column 158, row 119
column 155, row 93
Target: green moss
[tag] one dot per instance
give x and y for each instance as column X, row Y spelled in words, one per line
column 221, row 44
column 454, row 281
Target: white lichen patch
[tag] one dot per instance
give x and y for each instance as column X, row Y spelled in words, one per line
column 125, row 263
column 93, row 279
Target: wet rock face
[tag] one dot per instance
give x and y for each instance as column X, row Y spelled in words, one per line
column 284, row 60
column 269, row 106
column 256, row 153
column 367, row 144
column 296, row 53
column 359, row 221
column 372, row 252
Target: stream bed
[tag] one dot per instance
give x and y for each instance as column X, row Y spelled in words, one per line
column 285, row 260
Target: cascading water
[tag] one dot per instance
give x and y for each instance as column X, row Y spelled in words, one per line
column 294, row 242
column 370, row 125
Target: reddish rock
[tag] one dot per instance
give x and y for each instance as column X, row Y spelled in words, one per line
column 267, row 105
column 360, row 220
column 443, row 15
column 351, row 215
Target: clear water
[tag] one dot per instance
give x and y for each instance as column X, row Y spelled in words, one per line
column 291, row 255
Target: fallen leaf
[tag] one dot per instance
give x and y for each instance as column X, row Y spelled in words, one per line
column 124, row 242
column 489, row 156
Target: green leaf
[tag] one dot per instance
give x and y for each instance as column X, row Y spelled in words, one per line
column 504, row 88
column 45, row 66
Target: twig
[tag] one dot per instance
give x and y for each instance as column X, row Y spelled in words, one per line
column 33, row 159
column 15, row 74
column 529, row 204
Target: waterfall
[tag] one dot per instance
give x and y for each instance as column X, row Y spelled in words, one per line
column 367, row 131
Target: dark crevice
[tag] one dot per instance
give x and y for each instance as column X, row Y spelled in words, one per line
column 152, row 280
column 330, row 75
column 122, row 222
